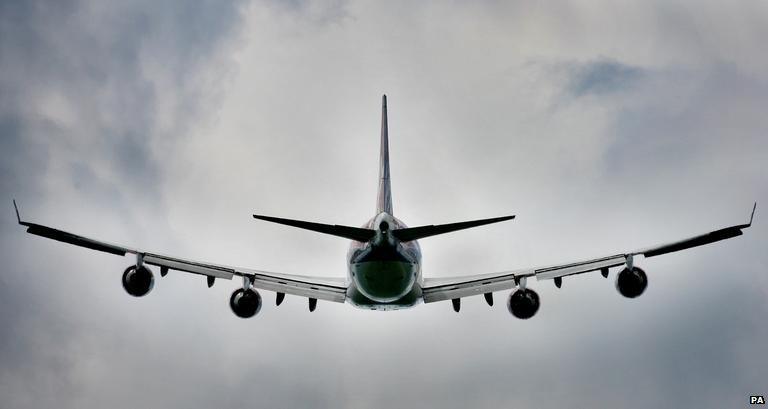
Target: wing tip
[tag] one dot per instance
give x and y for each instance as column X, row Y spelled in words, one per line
column 752, row 216
column 15, row 207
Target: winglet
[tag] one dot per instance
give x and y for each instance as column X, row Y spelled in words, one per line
column 752, row 216
column 18, row 218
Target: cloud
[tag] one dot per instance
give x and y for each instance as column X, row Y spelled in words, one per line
column 602, row 77
column 97, row 84
column 167, row 125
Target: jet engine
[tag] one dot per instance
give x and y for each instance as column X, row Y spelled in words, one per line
column 138, row 281
column 245, row 303
column 631, row 283
column 523, row 303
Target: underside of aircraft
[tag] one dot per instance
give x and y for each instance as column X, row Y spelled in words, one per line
column 384, row 263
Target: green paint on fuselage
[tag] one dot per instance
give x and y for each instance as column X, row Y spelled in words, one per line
column 384, row 281
column 357, row 299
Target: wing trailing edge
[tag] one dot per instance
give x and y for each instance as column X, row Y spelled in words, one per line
column 700, row 240
column 70, row 238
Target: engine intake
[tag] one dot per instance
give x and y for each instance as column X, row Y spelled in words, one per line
column 138, row 281
column 631, row 283
column 523, row 304
column 245, row 303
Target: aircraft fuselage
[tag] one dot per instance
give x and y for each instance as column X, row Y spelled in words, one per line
column 384, row 273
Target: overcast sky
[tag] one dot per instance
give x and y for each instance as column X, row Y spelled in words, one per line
column 604, row 126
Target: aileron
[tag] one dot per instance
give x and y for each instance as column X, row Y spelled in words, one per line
column 60, row 235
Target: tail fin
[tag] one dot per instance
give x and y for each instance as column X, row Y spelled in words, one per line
column 384, row 200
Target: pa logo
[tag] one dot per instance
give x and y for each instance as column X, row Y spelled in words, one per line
column 756, row 400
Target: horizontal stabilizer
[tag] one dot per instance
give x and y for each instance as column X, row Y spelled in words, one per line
column 352, row 233
column 415, row 233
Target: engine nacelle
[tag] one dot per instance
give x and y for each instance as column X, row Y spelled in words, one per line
column 631, row 283
column 245, row 303
column 138, row 281
column 523, row 304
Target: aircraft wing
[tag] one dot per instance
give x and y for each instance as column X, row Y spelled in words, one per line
column 440, row 289
column 330, row 289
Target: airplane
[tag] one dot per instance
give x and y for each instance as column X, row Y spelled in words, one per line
column 384, row 263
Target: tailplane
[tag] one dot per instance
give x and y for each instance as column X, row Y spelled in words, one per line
column 352, row 233
column 415, row 233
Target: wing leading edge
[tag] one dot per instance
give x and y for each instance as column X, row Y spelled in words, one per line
column 451, row 288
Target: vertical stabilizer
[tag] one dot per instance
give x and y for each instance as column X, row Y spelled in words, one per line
column 384, row 200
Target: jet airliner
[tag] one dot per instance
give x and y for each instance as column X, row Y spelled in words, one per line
column 384, row 263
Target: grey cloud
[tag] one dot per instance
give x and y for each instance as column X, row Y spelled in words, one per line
column 93, row 58
column 165, row 126
column 602, row 77
column 675, row 125
column 321, row 14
